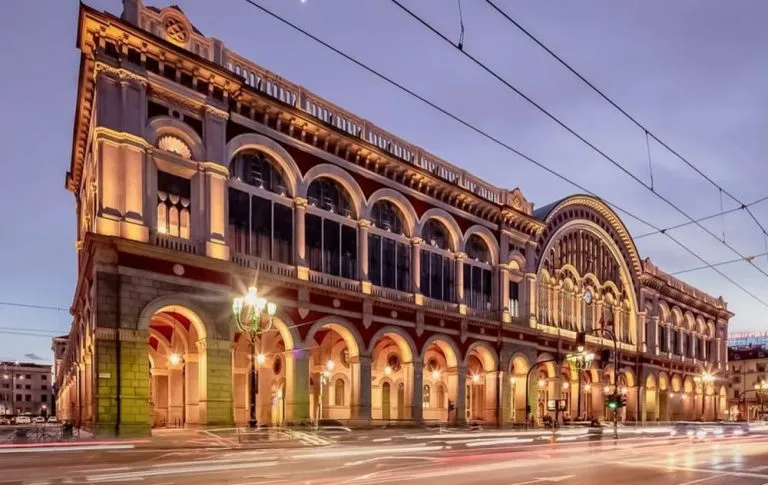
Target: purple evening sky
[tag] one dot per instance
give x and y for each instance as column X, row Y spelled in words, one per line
column 695, row 72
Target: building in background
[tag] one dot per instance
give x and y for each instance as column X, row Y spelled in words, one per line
column 26, row 389
column 423, row 292
column 748, row 339
column 748, row 381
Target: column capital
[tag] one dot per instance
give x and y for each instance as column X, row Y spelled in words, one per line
column 460, row 256
column 364, row 223
column 416, row 240
column 300, row 201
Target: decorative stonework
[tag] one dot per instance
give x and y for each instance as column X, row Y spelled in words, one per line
column 117, row 73
column 174, row 144
column 175, row 30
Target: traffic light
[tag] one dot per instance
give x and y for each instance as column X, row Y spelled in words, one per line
column 614, row 402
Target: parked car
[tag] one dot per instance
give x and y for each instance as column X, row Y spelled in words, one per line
column 38, row 420
column 23, row 420
column 52, row 419
column 5, row 421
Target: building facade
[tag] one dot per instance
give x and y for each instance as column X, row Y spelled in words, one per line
column 197, row 174
column 26, row 389
column 748, row 382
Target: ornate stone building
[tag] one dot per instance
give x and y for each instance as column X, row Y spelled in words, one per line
column 197, row 174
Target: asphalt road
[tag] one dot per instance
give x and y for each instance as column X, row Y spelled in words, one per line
column 484, row 460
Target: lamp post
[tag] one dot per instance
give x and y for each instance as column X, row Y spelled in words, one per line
column 581, row 339
column 580, row 360
column 325, row 377
column 176, row 359
column 253, row 315
column 541, row 385
column 761, row 388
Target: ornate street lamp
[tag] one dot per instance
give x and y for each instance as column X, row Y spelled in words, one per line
column 580, row 361
column 253, row 315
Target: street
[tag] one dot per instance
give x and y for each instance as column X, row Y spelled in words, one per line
column 483, row 459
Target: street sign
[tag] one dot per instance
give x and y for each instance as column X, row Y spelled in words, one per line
column 551, row 405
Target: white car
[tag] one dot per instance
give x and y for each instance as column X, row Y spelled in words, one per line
column 23, row 420
column 52, row 419
column 38, row 420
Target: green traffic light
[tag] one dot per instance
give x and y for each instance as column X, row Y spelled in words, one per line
column 613, row 405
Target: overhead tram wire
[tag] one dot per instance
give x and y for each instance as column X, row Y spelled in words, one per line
column 570, row 130
column 705, row 218
column 648, row 132
column 34, row 307
column 721, row 263
column 495, row 140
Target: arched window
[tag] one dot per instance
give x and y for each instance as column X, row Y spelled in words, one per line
column 437, row 263
column 260, row 213
column 478, row 276
column 389, row 251
column 543, row 298
column 338, row 392
column 257, row 169
column 331, row 234
column 173, row 201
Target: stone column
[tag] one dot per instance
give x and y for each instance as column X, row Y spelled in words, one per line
column 507, row 389
column 491, row 382
column 215, row 382
column 299, row 231
column 504, row 293
column 192, row 388
column 121, row 364
column 458, row 378
column 653, row 340
column 417, row 391
column 530, row 297
column 297, row 386
column 215, row 204
column 416, row 263
column 360, row 368
column 460, row 257
column 362, row 249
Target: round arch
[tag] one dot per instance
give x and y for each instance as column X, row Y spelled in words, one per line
column 629, row 376
column 450, row 223
column 663, row 381
column 487, row 236
column 485, row 352
column 626, row 274
column 650, row 382
column 690, row 321
column 183, row 305
column 343, row 327
column 342, row 177
column 409, row 213
column 519, row 364
column 401, row 338
column 447, row 345
column 546, row 360
column 254, row 141
column 677, row 317
column 516, row 261
column 165, row 125
column 664, row 312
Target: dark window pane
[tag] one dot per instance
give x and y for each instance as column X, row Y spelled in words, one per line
column 348, row 252
column 449, row 281
column 238, row 221
column 327, row 194
column 477, row 249
column 261, row 225
column 314, row 239
column 331, row 247
column 436, row 276
column 283, row 240
column 426, row 287
column 389, row 263
column 374, row 259
column 387, row 216
column 436, row 234
column 487, row 276
column 403, row 267
column 259, row 170
column 468, row 297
